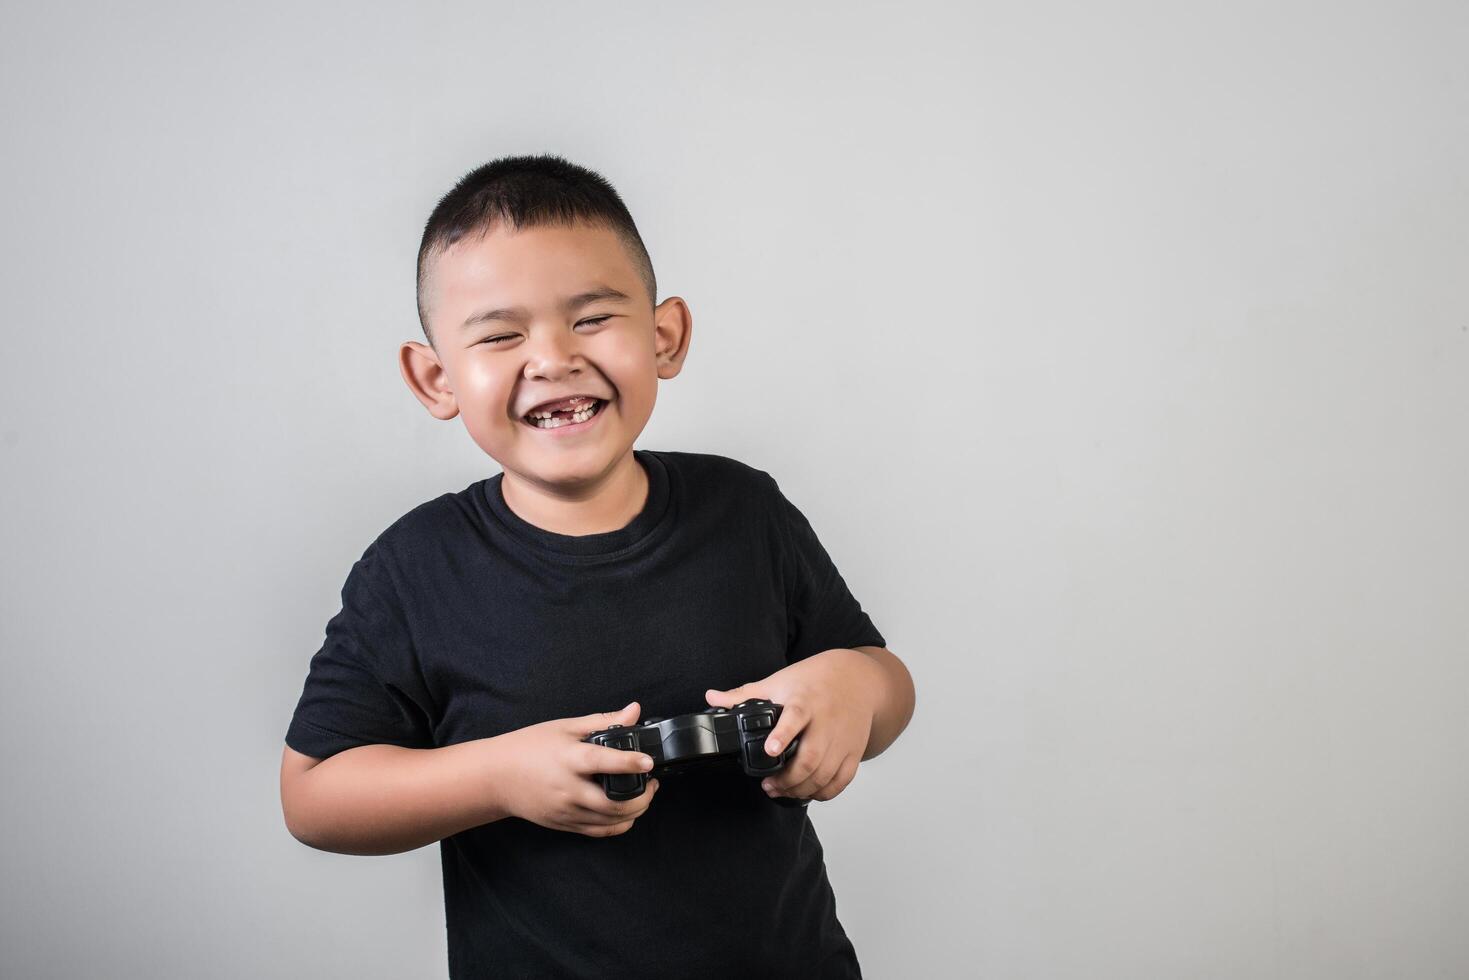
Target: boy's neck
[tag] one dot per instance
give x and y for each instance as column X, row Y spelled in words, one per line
column 607, row 506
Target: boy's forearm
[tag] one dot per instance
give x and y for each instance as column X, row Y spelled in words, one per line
column 386, row 799
column 895, row 700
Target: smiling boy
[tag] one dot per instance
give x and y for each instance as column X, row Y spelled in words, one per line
column 486, row 632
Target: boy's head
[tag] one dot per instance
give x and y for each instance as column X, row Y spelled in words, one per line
column 534, row 287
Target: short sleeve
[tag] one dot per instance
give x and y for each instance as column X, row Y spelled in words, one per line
column 822, row 613
column 363, row 687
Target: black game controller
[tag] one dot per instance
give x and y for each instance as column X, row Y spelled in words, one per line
column 713, row 735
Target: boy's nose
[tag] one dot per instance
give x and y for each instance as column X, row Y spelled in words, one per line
column 552, row 357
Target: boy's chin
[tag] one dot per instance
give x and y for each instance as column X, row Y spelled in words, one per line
column 570, row 467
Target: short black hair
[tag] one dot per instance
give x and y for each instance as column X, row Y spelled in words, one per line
column 523, row 192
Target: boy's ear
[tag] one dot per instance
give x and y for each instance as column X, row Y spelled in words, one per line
column 672, row 325
column 427, row 379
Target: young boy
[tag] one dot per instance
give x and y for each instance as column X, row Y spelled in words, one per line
column 486, row 632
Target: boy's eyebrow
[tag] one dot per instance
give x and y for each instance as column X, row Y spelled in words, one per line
column 517, row 313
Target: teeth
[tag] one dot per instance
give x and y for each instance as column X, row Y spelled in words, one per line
column 590, row 403
column 544, row 420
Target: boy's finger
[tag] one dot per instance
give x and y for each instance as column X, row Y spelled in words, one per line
column 797, row 771
column 590, row 828
column 588, row 815
column 596, row 806
column 589, row 759
column 824, row 772
column 598, row 720
column 793, row 719
column 605, row 830
column 732, row 697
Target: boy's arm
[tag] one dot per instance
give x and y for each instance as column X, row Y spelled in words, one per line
column 386, row 799
column 893, row 689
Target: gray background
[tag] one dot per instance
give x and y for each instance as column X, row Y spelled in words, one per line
column 1119, row 354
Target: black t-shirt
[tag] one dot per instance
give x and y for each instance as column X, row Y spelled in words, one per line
column 463, row 621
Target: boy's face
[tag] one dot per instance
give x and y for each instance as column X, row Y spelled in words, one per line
column 529, row 317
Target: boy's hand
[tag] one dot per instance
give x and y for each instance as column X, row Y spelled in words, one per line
column 549, row 775
column 829, row 699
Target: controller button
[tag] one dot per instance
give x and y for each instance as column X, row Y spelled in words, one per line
column 757, row 760
column 764, row 721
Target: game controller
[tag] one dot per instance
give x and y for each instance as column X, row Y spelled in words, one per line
column 711, row 736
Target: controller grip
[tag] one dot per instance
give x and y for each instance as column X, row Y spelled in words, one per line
column 623, row 785
column 757, row 762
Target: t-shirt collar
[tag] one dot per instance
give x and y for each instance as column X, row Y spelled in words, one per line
column 607, row 544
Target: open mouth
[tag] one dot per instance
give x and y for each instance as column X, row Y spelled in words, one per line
column 575, row 412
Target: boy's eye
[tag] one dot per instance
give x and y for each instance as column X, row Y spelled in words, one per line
column 595, row 321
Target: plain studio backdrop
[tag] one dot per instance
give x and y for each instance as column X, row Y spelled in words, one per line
column 1118, row 353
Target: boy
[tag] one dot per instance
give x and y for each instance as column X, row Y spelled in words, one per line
column 486, row 632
